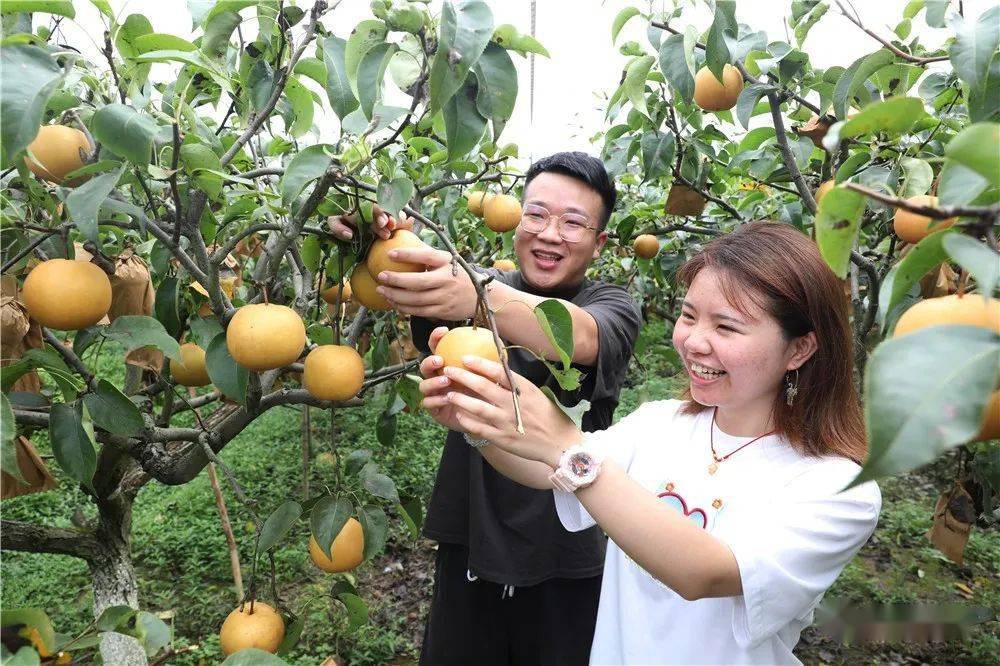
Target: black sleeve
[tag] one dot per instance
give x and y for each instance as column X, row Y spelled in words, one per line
column 618, row 322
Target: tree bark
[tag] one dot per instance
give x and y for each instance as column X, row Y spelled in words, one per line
column 111, row 567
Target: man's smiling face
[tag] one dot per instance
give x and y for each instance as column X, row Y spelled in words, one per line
column 546, row 260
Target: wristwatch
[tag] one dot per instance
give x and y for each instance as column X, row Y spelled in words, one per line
column 578, row 467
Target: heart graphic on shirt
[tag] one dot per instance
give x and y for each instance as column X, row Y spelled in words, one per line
column 675, row 501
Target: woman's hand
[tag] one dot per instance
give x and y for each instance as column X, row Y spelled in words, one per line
column 485, row 409
column 436, row 386
column 383, row 224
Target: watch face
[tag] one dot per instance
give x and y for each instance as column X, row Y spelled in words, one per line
column 582, row 466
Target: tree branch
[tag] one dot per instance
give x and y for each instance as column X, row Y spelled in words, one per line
column 781, row 136
column 31, row 538
column 479, row 281
column 987, row 213
column 70, row 357
column 479, row 177
column 319, row 7
column 889, row 45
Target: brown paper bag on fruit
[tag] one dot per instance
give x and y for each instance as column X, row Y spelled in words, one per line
column 953, row 517
column 32, row 469
column 18, row 333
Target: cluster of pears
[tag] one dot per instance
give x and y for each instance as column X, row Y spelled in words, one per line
column 501, row 212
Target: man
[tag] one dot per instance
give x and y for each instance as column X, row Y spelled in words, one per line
column 512, row 586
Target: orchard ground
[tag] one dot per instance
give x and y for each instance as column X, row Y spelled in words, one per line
column 183, row 562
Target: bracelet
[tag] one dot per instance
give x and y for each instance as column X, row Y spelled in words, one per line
column 475, row 443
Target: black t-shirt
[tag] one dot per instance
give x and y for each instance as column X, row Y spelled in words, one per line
column 513, row 533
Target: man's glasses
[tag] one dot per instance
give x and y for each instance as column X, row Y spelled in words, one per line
column 572, row 226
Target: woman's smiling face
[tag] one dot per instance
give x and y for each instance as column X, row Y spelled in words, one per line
column 735, row 360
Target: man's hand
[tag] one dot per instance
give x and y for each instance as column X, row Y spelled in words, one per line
column 383, row 224
column 442, row 292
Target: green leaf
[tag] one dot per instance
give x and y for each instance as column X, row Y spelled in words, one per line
column 466, row 28
column 497, row 79
column 375, row 525
column 748, row 99
column 385, row 429
column 975, row 257
column 314, row 68
column 925, row 255
column 658, row 149
column 918, row 177
column 72, row 446
column 277, row 525
column 464, row 125
column 959, row 185
column 675, row 63
column 412, row 514
column 125, row 132
column 112, row 410
column 635, row 82
column 837, row 227
column 976, row 147
column 28, row 77
column 329, row 515
column 805, row 24
column 292, row 636
column 357, row 610
column 723, row 28
column 378, row 484
column 895, row 115
column 510, row 38
column 104, row 7
column 371, row 74
column 852, row 165
column 260, row 82
column 303, row 106
column 134, row 332
column 356, row 460
column 557, row 324
column 218, row 29
column 308, row 165
column 854, row 77
column 366, row 36
column 926, row 391
column 34, row 618
column 974, row 45
column 574, row 413
column 152, row 632
column 8, row 431
column 393, row 194
column 59, row 7
column 311, row 253
column 166, row 307
column 156, row 41
column 984, row 99
column 620, row 20
column 84, row 202
column 253, row 657
column 229, row 376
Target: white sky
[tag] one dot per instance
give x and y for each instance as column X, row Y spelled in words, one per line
column 571, row 86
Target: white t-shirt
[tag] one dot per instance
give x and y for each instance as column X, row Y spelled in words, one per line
column 780, row 512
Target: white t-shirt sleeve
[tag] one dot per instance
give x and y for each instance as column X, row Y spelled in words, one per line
column 790, row 552
column 617, row 443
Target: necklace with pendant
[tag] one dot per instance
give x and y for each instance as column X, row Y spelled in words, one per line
column 716, row 458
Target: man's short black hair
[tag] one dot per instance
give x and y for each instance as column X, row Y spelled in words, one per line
column 584, row 168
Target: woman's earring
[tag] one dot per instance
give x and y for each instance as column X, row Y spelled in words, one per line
column 791, row 388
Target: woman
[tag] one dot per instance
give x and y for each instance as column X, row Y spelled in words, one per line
column 727, row 510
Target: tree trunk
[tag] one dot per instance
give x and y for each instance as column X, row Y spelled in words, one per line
column 114, row 577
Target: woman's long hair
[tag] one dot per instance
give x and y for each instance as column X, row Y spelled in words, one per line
column 780, row 269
